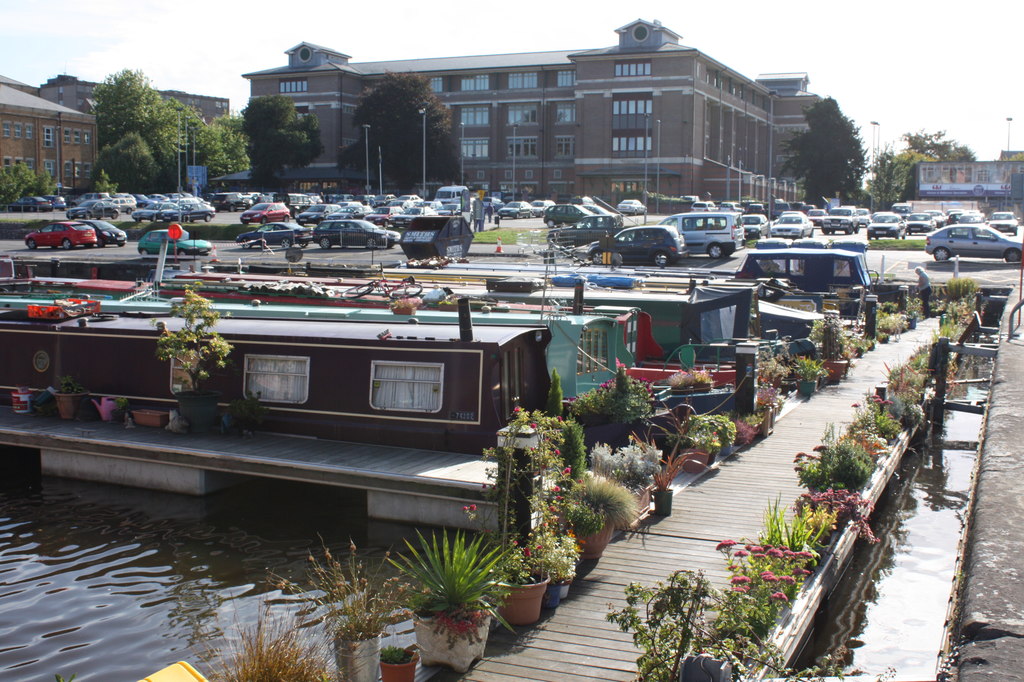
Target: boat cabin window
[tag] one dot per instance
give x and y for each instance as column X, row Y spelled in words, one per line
column 773, row 266
column 841, row 268
column 406, row 386
column 593, row 352
column 796, row 266
column 512, row 380
column 277, row 378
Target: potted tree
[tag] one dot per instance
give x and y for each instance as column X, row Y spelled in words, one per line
column 195, row 349
column 397, row 664
column 829, row 335
column 809, row 371
column 69, row 397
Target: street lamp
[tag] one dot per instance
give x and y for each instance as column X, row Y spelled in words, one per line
column 647, row 146
column 366, row 140
column 515, row 129
column 1009, row 120
column 657, row 173
column 423, row 113
column 462, row 152
column 876, row 133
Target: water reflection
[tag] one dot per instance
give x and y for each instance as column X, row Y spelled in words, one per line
column 114, row 583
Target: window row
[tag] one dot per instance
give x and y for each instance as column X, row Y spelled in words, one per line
column 479, row 147
column 517, row 114
column 30, row 162
column 633, row 68
column 18, row 130
column 631, row 145
column 77, row 136
column 517, row 80
column 81, row 170
column 296, row 85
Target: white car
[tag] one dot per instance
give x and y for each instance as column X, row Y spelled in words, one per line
column 631, row 207
column 792, row 225
column 538, row 207
column 1004, row 221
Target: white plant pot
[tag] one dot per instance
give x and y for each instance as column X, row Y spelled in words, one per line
column 442, row 647
column 358, row 661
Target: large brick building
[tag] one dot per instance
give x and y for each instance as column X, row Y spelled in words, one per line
column 646, row 113
column 44, row 135
column 75, row 93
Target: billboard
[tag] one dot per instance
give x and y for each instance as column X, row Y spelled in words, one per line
column 966, row 178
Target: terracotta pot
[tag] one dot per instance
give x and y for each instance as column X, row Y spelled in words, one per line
column 836, row 369
column 67, row 404
column 594, row 545
column 523, row 603
column 439, row 646
column 157, row 418
column 399, row 672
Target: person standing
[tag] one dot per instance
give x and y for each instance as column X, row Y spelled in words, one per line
column 489, row 211
column 924, row 291
column 476, row 210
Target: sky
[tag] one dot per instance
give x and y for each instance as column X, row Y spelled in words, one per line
column 906, row 64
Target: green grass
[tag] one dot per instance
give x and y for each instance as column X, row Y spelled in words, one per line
column 896, row 244
column 508, row 235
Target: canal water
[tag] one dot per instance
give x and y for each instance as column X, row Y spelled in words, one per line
column 113, row 583
column 888, row 612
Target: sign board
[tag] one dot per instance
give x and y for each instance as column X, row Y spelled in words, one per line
column 174, row 231
column 1017, row 186
column 196, row 175
column 966, row 178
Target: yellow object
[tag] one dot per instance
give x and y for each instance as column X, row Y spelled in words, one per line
column 179, row 672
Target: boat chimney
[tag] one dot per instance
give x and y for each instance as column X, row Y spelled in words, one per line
column 465, row 320
column 577, row 297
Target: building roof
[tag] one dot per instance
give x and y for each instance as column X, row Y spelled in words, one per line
column 12, row 97
column 284, row 70
column 318, row 48
column 605, row 51
column 4, row 80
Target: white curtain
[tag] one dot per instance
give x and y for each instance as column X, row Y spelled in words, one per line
column 277, row 379
column 406, row 387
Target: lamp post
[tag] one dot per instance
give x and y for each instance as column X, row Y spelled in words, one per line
column 423, row 113
column 462, row 153
column 515, row 129
column 366, row 139
column 771, row 151
column 1009, row 120
column 380, row 170
column 657, row 173
column 647, row 146
column 875, row 135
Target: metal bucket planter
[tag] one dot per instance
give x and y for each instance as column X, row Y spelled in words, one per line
column 439, row 646
column 358, row 661
column 200, row 409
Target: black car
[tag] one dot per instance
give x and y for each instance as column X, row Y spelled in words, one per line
column 106, row 233
column 34, row 204
column 230, row 201
column 653, row 244
column 565, row 214
column 275, row 234
column 187, row 213
column 316, row 213
column 359, row 233
column 589, row 229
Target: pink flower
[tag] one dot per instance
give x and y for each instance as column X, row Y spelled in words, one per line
column 740, row 588
column 758, row 555
column 566, row 471
column 768, row 577
column 801, row 571
column 739, row 580
column 724, row 544
column 779, row 596
column 775, row 553
column 741, row 553
column 755, row 548
column 855, row 405
column 556, row 489
column 557, row 451
column 788, row 579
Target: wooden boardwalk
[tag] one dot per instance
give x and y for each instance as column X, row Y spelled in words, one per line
column 575, row 642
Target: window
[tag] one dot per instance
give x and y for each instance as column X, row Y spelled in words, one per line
column 7, row 128
column 565, row 112
column 593, row 353
column 28, row 131
column 412, row 386
column 437, row 84
column 87, row 170
column 7, row 161
column 632, row 112
column 78, row 137
column 297, row 85
column 479, row 82
column 522, row 146
column 30, row 163
column 50, row 166
column 522, row 80
column 67, row 169
column 566, row 79
column 277, row 378
column 17, row 130
column 633, row 68
column 475, row 148
column 475, row 116
column 67, row 136
column 565, row 146
column 522, row 113
column 630, row 145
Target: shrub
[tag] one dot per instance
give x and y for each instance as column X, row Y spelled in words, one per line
column 553, row 408
column 612, row 501
column 847, row 505
column 573, row 451
column 960, row 288
column 745, row 432
column 838, row 463
column 623, row 399
column 632, row 465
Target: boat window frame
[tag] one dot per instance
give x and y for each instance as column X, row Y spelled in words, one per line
column 438, row 391
column 267, row 356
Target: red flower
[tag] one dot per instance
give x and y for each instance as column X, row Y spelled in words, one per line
column 740, row 588
column 779, row 596
column 741, row 553
column 739, row 580
column 724, row 544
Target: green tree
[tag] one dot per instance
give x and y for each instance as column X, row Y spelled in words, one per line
column 936, row 147
column 278, row 137
column 128, row 162
column 102, row 183
column 392, row 109
column 828, row 158
column 222, row 146
column 554, row 404
column 19, row 180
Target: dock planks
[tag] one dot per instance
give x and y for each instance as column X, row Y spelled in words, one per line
column 575, row 643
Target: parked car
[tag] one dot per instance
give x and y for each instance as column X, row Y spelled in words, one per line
column 971, row 241
column 383, row 215
column 152, row 212
column 404, row 218
column 265, row 213
column 33, row 204
column 817, row 217
column 792, row 225
column 538, row 207
column 90, row 196
column 729, row 206
column 187, row 211
column 565, row 214
column 106, row 233
column 920, row 222
column 589, row 229
column 515, row 209
column 886, row 224
column 902, row 209
column 316, row 213
column 654, row 244
column 755, row 225
column 940, row 217
column 971, row 218
column 1004, row 221
column 296, row 203
column 495, row 203
column 58, row 202
column 125, row 203
column 702, row 206
column 714, row 233
column 65, row 234
column 152, row 242
column 94, row 208
column 231, row 201
column 631, row 207
column 276, row 234
column 861, row 218
column 841, row 219
column 359, row 233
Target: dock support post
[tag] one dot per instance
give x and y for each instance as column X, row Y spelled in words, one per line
column 904, row 294
column 577, row 298
column 870, row 316
column 941, row 369
column 746, row 376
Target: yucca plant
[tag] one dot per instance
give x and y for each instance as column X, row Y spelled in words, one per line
column 798, row 533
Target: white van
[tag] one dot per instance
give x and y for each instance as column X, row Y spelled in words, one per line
column 450, row 193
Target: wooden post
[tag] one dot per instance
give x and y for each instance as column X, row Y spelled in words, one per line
column 904, row 294
column 577, row 298
column 520, row 477
column 746, row 376
column 938, row 406
column 870, row 316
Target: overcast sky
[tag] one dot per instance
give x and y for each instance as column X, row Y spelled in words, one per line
column 908, row 65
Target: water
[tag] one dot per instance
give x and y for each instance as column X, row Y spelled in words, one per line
column 114, row 583
column 889, row 610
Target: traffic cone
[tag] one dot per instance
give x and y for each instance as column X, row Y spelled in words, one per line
column 498, row 250
column 213, row 255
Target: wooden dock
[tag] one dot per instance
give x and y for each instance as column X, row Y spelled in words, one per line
column 574, row 642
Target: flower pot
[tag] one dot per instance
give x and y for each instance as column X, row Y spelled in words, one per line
column 663, row 502
column 358, row 660
column 768, row 422
column 200, row 409
column 157, row 418
column 806, row 387
column 67, row 404
column 836, row 369
column 912, row 323
column 522, row 605
column 563, row 589
column 643, row 502
column 593, row 545
column 552, row 596
column 399, row 672
column 440, row 646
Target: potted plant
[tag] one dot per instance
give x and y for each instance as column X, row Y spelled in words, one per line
column 633, row 466
column 397, row 664
column 690, row 382
column 831, row 339
column 406, row 306
column 69, row 396
column 356, row 602
column 622, row 400
column 195, row 349
column 555, row 554
column 459, row 593
column 247, row 413
column 671, row 467
column 614, row 506
column 122, row 406
column 809, row 371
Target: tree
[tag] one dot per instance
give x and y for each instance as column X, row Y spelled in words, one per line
column 128, row 163
column 222, row 146
column 278, row 137
column 936, row 147
column 19, row 180
column 392, row 109
column 829, row 156
column 102, row 183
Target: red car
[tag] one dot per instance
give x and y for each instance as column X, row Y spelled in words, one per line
column 266, row 213
column 383, row 216
column 64, row 235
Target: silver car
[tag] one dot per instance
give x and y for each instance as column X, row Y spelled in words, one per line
column 792, row 226
column 1004, row 221
column 971, row 241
